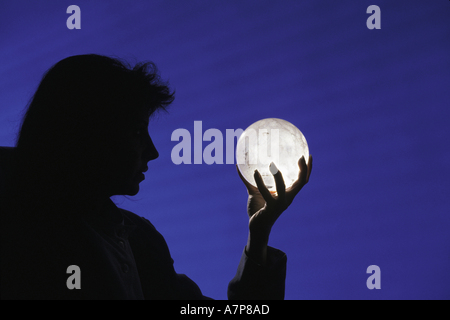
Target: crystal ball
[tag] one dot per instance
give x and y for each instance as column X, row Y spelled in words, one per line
column 269, row 141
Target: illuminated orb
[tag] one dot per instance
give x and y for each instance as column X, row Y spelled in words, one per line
column 271, row 140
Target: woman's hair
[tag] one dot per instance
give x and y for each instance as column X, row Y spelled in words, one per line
column 82, row 107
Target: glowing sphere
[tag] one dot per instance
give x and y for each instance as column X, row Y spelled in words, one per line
column 271, row 140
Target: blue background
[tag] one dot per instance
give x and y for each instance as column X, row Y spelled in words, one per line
column 373, row 105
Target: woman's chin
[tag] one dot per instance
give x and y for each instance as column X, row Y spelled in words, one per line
column 131, row 188
column 134, row 190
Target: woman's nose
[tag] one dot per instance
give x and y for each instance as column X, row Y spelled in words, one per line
column 150, row 152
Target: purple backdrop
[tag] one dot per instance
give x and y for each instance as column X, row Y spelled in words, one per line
column 373, row 105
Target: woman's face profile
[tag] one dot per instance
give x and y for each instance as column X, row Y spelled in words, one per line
column 131, row 158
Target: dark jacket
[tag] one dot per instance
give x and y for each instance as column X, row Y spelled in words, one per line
column 120, row 256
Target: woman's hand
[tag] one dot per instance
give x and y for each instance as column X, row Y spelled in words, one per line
column 264, row 208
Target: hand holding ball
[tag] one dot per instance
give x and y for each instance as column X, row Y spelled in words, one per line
column 270, row 145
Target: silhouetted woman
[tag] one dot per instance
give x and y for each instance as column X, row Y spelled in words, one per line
column 84, row 139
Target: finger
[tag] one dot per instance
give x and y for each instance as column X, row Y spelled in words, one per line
column 262, row 187
column 301, row 180
column 303, row 174
column 279, row 181
column 309, row 168
column 248, row 185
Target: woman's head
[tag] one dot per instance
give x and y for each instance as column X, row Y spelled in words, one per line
column 85, row 130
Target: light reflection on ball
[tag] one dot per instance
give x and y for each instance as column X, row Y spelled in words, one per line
column 271, row 140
